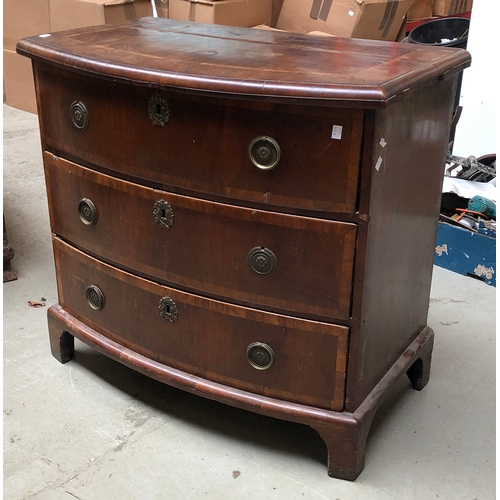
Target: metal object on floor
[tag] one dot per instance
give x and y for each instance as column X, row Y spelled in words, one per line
column 8, row 255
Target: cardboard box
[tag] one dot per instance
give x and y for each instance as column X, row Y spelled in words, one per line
column 465, row 252
column 371, row 19
column 22, row 18
column 18, row 83
column 162, row 8
column 269, row 28
column 276, row 9
column 421, row 9
column 451, row 7
column 245, row 13
column 68, row 14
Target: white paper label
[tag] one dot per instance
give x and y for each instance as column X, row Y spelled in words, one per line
column 383, row 142
column 378, row 164
column 337, row 132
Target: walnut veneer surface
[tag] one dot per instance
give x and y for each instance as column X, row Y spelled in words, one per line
column 247, row 215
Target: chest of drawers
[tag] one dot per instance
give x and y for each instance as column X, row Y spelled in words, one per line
column 247, row 215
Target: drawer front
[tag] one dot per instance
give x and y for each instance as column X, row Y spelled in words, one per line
column 204, row 145
column 264, row 353
column 273, row 261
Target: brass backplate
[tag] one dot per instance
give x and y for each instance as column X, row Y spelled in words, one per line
column 158, row 110
column 168, row 309
column 163, row 214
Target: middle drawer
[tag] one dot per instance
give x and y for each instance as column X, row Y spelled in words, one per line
column 276, row 262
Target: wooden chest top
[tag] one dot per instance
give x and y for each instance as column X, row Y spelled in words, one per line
column 258, row 64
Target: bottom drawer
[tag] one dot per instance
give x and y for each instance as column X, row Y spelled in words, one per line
column 274, row 355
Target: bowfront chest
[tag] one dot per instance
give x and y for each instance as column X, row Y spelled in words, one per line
column 247, row 215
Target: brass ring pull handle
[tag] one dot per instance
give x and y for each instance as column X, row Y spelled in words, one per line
column 163, row 214
column 262, row 261
column 260, row 355
column 95, row 297
column 264, row 152
column 87, row 212
column 79, row 115
column 168, row 309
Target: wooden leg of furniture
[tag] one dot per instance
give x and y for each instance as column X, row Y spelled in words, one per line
column 346, row 437
column 419, row 371
column 62, row 343
column 346, row 444
column 344, row 433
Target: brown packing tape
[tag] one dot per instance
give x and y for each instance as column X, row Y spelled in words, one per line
column 320, row 9
column 388, row 17
column 315, row 8
column 325, row 10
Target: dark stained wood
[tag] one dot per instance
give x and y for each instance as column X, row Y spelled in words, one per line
column 207, row 246
column 344, row 433
column 352, row 220
column 405, row 196
column 256, row 63
column 62, row 343
column 209, row 338
column 204, row 145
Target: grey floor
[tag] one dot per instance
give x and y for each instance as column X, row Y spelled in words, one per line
column 93, row 429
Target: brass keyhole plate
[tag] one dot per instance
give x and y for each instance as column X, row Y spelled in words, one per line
column 168, row 309
column 158, row 110
column 163, row 214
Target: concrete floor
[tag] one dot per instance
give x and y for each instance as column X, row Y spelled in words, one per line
column 95, row 430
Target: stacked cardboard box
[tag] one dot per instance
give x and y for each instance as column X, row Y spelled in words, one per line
column 68, row 14
column 244, row 13
column 21, row 18
column 426, row 9
column 372, row 19
column 162, row 8
column 421, row 9
column 276, row 9
column 451, row 7
column 24, row 18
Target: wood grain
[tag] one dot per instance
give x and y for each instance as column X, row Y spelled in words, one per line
column 207, row 246
column 203, row 148
column 209, row 338
column 260, row 64
column 350, row 211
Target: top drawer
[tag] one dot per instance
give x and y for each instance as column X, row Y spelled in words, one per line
column 204, row 143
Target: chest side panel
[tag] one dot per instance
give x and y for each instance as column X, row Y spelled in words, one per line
column 406, row 170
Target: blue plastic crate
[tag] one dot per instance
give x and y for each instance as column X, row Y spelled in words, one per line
column 466, row 252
